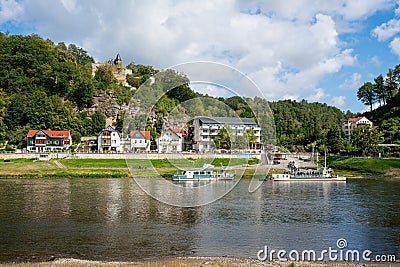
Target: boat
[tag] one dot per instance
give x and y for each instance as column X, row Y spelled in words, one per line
column 325, row 175
column 306, row 175
column 207, row 173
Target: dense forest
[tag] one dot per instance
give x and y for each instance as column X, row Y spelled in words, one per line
column 44, row 85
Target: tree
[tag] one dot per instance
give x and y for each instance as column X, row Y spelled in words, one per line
column 366, row 94
column 334, row 140
column 380, row 89
column 251, row 137
column 80, row 54
column 104, row 75
column 391, row 129
column 4, row 102
column 76, row 137
column 98, row 122
column 159, row 124
column 391, row 84
column 366, row 138
column 83, row 92
column 223, row 140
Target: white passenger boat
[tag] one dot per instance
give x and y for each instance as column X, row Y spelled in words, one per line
column 324, row 176
column 207, row 173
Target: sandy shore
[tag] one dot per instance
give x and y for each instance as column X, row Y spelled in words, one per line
column 197, row 262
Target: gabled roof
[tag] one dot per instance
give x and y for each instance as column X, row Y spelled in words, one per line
column 50, row 133
column 226, row 120
column 175, row 131
column 355, row 120
column 109, row 129
column 178, row 131
column 144, row 134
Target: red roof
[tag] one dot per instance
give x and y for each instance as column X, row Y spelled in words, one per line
column 53, row 134
column 146, row 134
column 355, row 119
column 179, row 131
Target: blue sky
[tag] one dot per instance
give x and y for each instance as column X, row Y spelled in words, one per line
column 307, row 49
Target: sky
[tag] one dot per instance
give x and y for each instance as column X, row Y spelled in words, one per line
column 316, row 50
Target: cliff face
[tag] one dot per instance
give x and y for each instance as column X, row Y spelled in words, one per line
column 106, row 103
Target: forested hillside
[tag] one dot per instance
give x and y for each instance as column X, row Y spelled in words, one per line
column 44, row 85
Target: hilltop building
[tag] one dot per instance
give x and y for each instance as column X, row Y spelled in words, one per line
column 119, row 72
column 353, row 123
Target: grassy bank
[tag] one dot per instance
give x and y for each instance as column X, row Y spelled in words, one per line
column 115, row 168
column 365, row 166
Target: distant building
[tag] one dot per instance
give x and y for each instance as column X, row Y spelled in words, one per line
column 109, row 140
column 48, row 140
column 170, row 141
column 88, row 144
column 206, row 129
column 120, row 71
column 353, row 123
column 140, row 141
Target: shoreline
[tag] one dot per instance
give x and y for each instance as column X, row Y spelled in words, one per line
column 197, row 262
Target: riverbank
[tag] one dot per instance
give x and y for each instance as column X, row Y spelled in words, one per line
column 115, row 168
column 197, row 262
column 365, row 166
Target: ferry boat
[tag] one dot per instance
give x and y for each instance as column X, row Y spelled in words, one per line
column 306, row 175
column 207, row 173
column 325, row 175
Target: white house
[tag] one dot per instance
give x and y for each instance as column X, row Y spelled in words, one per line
column 109, row 140
column 353, row 123
column 170, row 141
column 140, row 141
column 206, row 129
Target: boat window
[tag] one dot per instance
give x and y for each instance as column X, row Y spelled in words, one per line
column 201, row 172
column 184, row 172
column 196, row 173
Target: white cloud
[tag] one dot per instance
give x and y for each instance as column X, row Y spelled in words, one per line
column 395, row 46
column 354, row 82
column 339, row 101
column 397, row 11
column 318, row 95
column 376, row 61
column 69, row 4
column 286, row 47
column 387, row 30
column 9, row 10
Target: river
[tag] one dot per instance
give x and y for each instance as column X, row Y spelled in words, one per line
column 113, row 219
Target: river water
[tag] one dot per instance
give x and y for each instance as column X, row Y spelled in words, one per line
column 113, row 219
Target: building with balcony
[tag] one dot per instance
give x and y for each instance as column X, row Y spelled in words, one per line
column 206, row 129
column 48, row 140
column 140, row 141
column 353, row 123
column 170, row 141
column 109, row 140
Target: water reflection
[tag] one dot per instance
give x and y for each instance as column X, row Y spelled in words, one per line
column 112, row 219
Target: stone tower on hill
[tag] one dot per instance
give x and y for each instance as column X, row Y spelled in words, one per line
column 119, row 72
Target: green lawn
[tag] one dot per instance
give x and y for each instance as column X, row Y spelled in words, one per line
column 363, row 165
column 107, row 167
